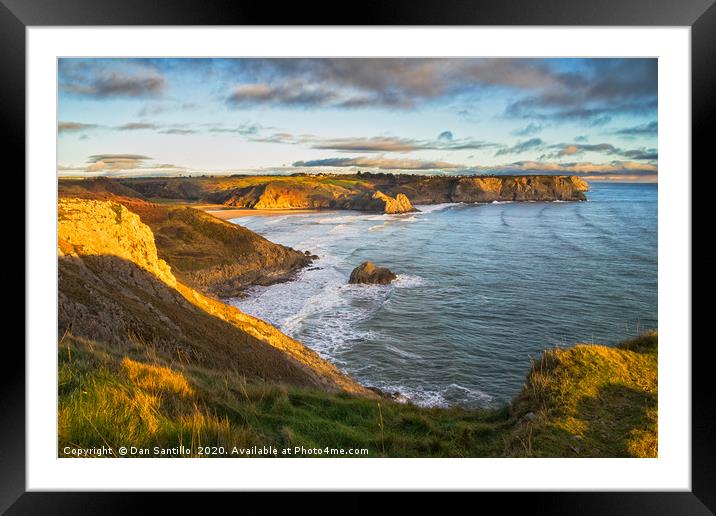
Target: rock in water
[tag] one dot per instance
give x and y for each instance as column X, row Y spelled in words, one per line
column 368, row 273
column 387, row 204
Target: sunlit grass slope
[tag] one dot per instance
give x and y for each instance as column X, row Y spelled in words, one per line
column 590, row 401
column 110, row 400
column 585, row 401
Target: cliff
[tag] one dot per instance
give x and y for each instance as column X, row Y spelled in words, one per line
column 386, row 193
column 214, row 256
column 115, row 291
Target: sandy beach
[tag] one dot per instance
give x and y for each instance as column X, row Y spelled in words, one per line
column 226, row 213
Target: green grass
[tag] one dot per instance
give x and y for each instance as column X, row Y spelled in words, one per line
column 105, row 400
column 585, row 401
column 590, row 401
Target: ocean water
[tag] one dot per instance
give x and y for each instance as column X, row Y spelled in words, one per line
column 481, row 288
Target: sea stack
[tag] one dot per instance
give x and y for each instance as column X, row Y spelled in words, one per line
column 387, row 204
column 368, row 273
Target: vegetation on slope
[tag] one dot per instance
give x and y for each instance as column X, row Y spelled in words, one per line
column 113, row 288
column 146, row 361
column 209, row 254
column 111, row 399
column 590, row 401
column 115, row 399
column 366, row 191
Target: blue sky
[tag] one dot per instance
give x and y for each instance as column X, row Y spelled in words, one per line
column 591, row 117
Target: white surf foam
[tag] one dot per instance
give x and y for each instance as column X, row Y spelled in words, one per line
column 443, row 397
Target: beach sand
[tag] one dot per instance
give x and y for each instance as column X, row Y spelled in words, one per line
column 226, row 213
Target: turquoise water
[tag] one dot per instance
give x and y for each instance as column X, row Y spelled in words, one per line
column 481, row 288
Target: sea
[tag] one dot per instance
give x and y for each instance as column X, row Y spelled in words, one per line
column 482, row 289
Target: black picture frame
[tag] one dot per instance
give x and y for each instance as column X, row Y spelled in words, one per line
column 700, row 15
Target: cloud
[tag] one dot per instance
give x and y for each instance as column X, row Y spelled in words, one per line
column 594, row 93
column 646, row 154
column 528, row 130
column 244, row 129
column 573, row 149
column 588, row 90
column 105, row 78
column 648, row 129
column 159, row 108
column 377, row 143
column 519, row 147
column 73, row 127
column 121, row 164
column 101, row 162
column 292, row 93
column 379, row 163
column 178, row 131
column 135, row 126
column 613, row 168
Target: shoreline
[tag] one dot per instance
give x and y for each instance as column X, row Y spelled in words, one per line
column 227, row 213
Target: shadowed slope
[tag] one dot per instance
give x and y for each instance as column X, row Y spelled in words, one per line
column 115, row 289
column 214, row 256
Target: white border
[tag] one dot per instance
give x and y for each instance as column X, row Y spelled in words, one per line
column 671, row 471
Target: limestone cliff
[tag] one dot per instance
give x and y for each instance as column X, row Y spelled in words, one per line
column 398, row 204
column 214, row 256
column 367, row 192
column 115, row 290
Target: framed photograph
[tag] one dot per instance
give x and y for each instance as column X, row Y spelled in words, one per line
column 432, row 250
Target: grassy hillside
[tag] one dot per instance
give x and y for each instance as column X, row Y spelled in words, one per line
column 590, row 401
column 107, row 398
column 145, row 360
column 586, row 405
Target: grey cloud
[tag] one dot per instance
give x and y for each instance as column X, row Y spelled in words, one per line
column 615, row 168
column 293, row 93
column 645, row 154
column 369, row 145
column 104, row 79
column 71, row 127
column 648, row 129
column 178, row 131
column 136, row 126
column 379, row 163
column 244, row 129
column 592, row 91
column 528, row 130
column 533, row 143
column 573, row 149
column 106, row 164
column 99, row 157
column 159, row 108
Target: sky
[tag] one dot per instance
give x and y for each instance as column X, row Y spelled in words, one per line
column 596, row 118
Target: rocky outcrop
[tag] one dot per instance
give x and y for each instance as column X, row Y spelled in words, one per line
column 386, row 193
column 214, row 256
column 368, row 273
column 116, row 292
column 398, row 204
column 107, row 229
column 433, row 190
column 218, row 257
